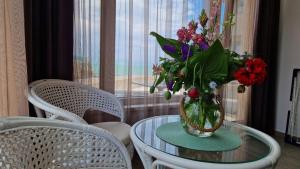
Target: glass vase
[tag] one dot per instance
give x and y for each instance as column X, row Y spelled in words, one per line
column 200, row 118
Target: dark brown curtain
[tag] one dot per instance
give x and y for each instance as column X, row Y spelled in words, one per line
column 262, row 114
column 49, row 39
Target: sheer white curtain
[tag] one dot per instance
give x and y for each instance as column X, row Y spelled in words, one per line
column 136, row 51
column 87, row 41
column 13, row 71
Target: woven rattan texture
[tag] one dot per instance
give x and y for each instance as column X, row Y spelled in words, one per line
column 77, row 98
column 59, row 148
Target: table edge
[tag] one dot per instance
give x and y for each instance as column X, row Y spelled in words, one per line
column 270, row 160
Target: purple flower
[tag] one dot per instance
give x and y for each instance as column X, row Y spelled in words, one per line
column 170, row 85
column 204, row 46
column 185, row 50
column 169, row 48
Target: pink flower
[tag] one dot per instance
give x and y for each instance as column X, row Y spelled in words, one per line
column 197, row 38
column 200, row 41
column 192, row 27
column 157, row 69
column 184, row 35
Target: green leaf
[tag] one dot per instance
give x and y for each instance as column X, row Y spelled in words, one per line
column 235, row 63
column 216, row 65
column 167, row 65
column 174, row 68
column 198, row 56
column 151, row 90
column 161, row 59
column 177, row 86
column 160, row 79
column 214, row 62
column 167, row 95
column 165, row 41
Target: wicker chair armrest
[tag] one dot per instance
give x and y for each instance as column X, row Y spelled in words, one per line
column 55, row 143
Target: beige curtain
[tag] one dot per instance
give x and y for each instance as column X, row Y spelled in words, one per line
column 243, row 32
column 242, row 36
column 13, row 74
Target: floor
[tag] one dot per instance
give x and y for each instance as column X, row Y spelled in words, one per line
column 136, row 162
column 290, row 156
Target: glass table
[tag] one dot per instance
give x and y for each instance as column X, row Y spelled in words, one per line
column 257, row 150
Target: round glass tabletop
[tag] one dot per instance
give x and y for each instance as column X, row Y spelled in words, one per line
column 253, row 147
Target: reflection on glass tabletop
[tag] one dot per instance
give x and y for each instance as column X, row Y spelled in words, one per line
column 252, row 148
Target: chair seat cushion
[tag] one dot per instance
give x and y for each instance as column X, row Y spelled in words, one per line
column 118, row 129
column 92, row 116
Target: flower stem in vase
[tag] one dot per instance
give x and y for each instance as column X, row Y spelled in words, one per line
column 202, row 114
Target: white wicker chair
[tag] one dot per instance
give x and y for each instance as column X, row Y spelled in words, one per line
column 66, row 100
column 34, row 143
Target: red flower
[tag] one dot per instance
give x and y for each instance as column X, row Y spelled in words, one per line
column 193, row 93
column 260, row 66
column 254, row 72
column 256, row 65
column 242, row 75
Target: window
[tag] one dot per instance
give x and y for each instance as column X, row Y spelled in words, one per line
column 126, row 66
column 136, row 50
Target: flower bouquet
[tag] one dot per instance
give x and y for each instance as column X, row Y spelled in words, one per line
column 199, row 65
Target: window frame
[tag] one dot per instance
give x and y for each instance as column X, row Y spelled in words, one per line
column 107, row 46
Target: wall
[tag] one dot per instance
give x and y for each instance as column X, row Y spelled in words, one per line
column 289, row 57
